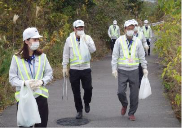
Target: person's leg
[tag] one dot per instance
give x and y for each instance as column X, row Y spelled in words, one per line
column 86, row 80
column 140, row 74
column 149, row 46
column 75, row 84
column 122, row 86
column 43, row 111
column 134, row 88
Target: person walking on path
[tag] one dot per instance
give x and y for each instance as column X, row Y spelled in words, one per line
column 127, row 54
column 114, row 33
column 76, row 53
column 30, row 67
column 147, row 33
column 140, row 35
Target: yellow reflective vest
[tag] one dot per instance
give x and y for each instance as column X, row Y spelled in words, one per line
column 128, row 59
column 23, row 71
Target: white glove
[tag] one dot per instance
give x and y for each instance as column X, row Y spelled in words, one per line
column 27, row 82
column 115, row 73
column 145, row 72
column 65, row 72
column 149, row 40
column 35, row 84
column 146, row 47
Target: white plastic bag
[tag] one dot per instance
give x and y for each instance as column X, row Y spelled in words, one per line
column 84, row 50
column 145, row 89
column 28, row 113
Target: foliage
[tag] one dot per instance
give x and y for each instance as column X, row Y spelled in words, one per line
column 168, row 47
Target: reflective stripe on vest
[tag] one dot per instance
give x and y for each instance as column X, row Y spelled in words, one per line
column 114, row 32
column 146, row 32
column 128, row 59
column 77, row 58
column 24, row 74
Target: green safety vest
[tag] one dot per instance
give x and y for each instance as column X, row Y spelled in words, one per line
column 39, row 75
column 128, row 60
column 77, row 58
column 114, row 32
column 146, row 32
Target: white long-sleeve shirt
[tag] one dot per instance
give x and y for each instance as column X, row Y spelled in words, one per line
column 68, row 52
column 15, row 76
column 118, row 53
column 110, row 32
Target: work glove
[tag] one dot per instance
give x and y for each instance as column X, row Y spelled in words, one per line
column 35, row 84
column 146, row 47
column 27, row 82
column 145, row 72
column 115, row 73
column 65, row 72
column 150, row 40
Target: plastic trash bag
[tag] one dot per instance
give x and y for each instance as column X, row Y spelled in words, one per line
column 84, row 50
column 145, row 89
column 28, row 113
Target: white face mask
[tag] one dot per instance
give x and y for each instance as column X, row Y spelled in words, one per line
column 136, row 28
column 130, row 33
column 79, row 33
column 34, row 46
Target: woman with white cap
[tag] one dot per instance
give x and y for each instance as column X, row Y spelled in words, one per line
column 30, row 67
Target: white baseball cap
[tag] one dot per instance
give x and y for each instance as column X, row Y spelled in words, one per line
column 79, row 23
column 128, row 23
column 135, row 22
column 114, row 22
column 74, row 24
column 31, row 33
column 146, row 21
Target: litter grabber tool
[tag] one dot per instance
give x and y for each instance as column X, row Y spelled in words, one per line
column 65, row 88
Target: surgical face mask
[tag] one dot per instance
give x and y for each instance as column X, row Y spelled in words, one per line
column 34, row 46
column 130, row 33
column 136, row 28
column 79, row 33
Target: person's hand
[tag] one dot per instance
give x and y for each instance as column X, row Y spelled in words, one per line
column 150, row 40
column 145, row 72
column 65, row 72
column 35, row 84
column 115, row 73
column 27, row 82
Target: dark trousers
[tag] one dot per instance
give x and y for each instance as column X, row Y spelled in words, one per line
column 149, row 46
column 43, row 111
column 85, row 77
column 133, row 78
column 112, row 44
column 140, row 74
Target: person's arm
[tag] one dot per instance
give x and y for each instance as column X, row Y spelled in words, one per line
column 109, row 32
column 13, row 74
column 115, row 55
column 48, row 73
column 90, row 43
column 66, row 54
column 151, row 33
column 118, row 32
column 141, row 55
column 144, row 41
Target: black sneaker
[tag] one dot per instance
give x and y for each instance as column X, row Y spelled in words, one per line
column 87, row 108
column 79, row 115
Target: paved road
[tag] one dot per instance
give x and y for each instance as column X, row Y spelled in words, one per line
column 155, row 111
